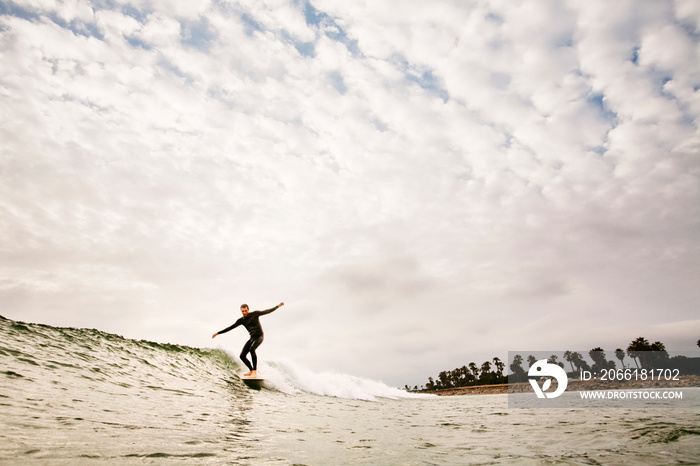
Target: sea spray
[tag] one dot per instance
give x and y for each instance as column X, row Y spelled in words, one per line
column 289, row 377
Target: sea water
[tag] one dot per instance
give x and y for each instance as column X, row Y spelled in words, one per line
column 77, row 396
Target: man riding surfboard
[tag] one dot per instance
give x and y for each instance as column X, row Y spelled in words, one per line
column 251, row 321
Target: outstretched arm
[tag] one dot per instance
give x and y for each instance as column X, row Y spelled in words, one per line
column 236, row 324
column 262, row 313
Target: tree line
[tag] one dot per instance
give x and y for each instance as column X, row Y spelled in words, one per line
column 643, row 354
column 471, row 374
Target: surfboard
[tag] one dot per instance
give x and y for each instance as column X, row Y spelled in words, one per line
column 254, row 383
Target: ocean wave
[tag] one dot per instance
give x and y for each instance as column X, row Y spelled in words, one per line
column 289, row 377
column 106, row 361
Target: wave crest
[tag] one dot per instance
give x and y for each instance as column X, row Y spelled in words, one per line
column 290, row 377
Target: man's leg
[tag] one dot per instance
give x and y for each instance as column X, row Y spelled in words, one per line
column 258, row 341
column 244, row 351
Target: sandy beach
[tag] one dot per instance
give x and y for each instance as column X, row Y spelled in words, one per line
column 573, row 385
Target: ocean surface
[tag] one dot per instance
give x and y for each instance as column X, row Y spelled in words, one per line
column 77, row 396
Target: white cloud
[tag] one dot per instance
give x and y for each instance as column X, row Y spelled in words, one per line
column 419, row 184
column 688, row 12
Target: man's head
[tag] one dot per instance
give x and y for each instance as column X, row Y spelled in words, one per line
column 244, row 309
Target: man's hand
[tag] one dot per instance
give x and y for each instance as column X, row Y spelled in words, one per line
column 281, row 304
column 214, row 335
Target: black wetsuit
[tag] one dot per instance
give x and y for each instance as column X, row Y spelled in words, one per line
column 252, row 323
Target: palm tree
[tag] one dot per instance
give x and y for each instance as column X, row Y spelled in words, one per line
column 553, row 360
column 635, row 349
column 658, row 346
column 569, row 356
column 475, row 370
column 454, row 376
column 517, row 369
column 659, row 357
column 517, row 360
column 499, row 367
column 465, row 375
column 531, row 360
column 577, row 359
column 619, row 354
column 444, row 379
column 485, row 372
column 597, row 354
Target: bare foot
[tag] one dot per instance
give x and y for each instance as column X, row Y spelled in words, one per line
column 253, row 374
column 247, row 374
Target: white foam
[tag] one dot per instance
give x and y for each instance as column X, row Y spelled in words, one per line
column 289, row 377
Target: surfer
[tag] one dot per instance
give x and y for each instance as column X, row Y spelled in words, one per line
column 251, row 321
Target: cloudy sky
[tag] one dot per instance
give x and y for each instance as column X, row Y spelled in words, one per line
column 424, row 184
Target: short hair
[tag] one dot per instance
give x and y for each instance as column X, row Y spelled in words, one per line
column 244, row 305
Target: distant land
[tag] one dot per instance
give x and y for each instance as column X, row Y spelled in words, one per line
column 640, row 354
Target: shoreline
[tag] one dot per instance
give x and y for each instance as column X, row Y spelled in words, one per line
column 685, row 381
